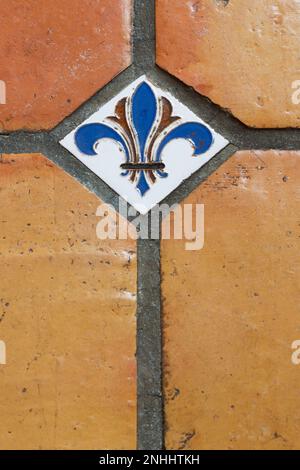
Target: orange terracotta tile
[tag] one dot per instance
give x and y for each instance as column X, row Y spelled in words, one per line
column 55, row 55
column 231, row 311
column 67, row 316
column 242, row 55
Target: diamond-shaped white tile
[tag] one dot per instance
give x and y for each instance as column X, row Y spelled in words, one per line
column 158, row 141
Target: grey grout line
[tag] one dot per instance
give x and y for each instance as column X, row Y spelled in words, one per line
column 144, row 35
column 22, row 142
column 238, row 134
column 149, row 320
column 149, row 347
column 150, row 412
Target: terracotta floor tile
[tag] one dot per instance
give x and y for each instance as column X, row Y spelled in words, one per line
column 231, row 311
column 243, row 55
column 67, row 316
column 55, row 55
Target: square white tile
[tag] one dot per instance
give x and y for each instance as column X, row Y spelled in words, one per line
column 144, row 143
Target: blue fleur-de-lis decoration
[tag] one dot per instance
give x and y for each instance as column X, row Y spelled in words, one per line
column 142, row 126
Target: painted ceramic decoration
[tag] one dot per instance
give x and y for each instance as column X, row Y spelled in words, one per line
column 143, row 144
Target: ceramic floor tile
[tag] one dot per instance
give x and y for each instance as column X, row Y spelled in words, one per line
column 243, row 55
column 231, row 311
column 67, row 316
column 56, row 54
column 144, row 143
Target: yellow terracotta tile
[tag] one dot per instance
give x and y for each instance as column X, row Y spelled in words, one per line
column 67, row 316
column 231, row 311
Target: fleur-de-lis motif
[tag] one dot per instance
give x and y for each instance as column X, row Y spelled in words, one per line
column 142, row 126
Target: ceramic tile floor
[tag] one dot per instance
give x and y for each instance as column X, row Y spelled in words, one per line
column 140, row 344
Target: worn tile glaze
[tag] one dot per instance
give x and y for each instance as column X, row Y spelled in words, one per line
column 67, row 316
column 243, row 55
column 231, row 311
column 55, row 55
column 144, row 143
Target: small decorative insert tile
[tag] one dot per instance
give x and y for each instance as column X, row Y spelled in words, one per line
column 144, row 143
